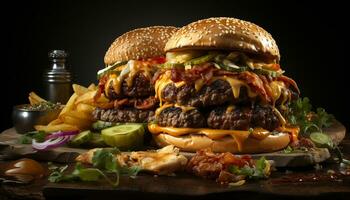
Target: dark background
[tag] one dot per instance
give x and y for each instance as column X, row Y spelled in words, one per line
column 312, row 37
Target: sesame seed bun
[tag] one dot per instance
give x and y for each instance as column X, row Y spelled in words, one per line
column 226, row 34
column 139, row 43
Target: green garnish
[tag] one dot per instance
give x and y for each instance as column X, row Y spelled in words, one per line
column 256, row 172
column 321, row 140
column 300, row 113
column 104, row 163
column 27, row 138
column 44, row 105
column 109, row 69
column 311, row 124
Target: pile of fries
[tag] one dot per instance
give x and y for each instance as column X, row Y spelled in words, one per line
column 77, row 113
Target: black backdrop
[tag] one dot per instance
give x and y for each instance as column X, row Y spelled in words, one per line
column 312, row 37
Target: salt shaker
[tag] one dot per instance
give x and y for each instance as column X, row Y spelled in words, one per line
column 57, row 79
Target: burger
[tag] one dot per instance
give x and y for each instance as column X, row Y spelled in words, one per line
column 222, row 88
column 126, row 82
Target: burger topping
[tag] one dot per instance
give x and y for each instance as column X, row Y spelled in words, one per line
column 126, row 72
column 233, row 61
column 228, row 168
column 267, row 88
column 101, row 73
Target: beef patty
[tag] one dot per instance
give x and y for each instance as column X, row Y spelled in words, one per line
column 175, row 117
column 243, row 118
column 141, row 87
column 219, row 92
column 239, row 118
column 123, row 115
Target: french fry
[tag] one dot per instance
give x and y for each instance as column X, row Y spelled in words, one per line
column 70, row 104
column 81, row 124
column 32, row 101
column 92, row 87
column 58, row 127
column 35, row 98
column 79, row 90
column 76, row 114
column 55, row 122
column 85, row 108
column 87, row 98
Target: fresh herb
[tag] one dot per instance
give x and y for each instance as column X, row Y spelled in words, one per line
column 103, row 161
column 255, row 172
column 44, row 105
column 27, row 138
column 290, row 149
column 300, row 113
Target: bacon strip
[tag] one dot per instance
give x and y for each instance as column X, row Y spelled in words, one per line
column 289, row 81
column 256, row 83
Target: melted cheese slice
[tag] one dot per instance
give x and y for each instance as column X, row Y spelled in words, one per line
column 135, row 68
column 294, row 131
column 235, row 84
column 239, row 136
column 161, row 83
column 167, row 105
column 279, row 90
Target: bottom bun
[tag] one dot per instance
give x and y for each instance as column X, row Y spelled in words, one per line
column 195, row 142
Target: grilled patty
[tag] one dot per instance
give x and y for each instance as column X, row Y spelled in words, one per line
column 123, row 115
column 239, row 118
column 141, row 87
column 243, row 118
column 175, row 117
column 219, row 92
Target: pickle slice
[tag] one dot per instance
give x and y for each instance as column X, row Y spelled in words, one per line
column 81, row 138
column 321, row 139
column 96, row 141
column 124, row 137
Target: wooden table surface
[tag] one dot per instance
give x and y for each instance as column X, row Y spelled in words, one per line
column 284, row 183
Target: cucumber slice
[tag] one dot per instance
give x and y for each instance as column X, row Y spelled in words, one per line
column 108, row 69
column 96, row 141
column 81, row 138
column 200, row 60
column 321, row 139
column 124, row 137
column 99, row 125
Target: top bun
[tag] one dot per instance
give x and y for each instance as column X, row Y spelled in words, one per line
column 224, row 33
column 139, row 43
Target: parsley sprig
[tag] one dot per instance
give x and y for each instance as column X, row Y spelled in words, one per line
column 104, row 163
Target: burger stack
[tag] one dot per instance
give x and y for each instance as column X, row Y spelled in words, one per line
column 222, row 88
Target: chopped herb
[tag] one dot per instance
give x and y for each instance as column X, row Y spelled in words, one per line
column 256, row 172
column 104, row 161
column 44, row 105
column 300, row 113
column 27, row 138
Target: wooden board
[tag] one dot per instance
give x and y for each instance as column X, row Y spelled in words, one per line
column 11, row 149
column 190, row 187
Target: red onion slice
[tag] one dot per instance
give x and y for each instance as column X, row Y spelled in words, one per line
column 51, row 143
column 61, row 134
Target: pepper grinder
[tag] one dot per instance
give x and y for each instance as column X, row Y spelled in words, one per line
column 57, row 79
